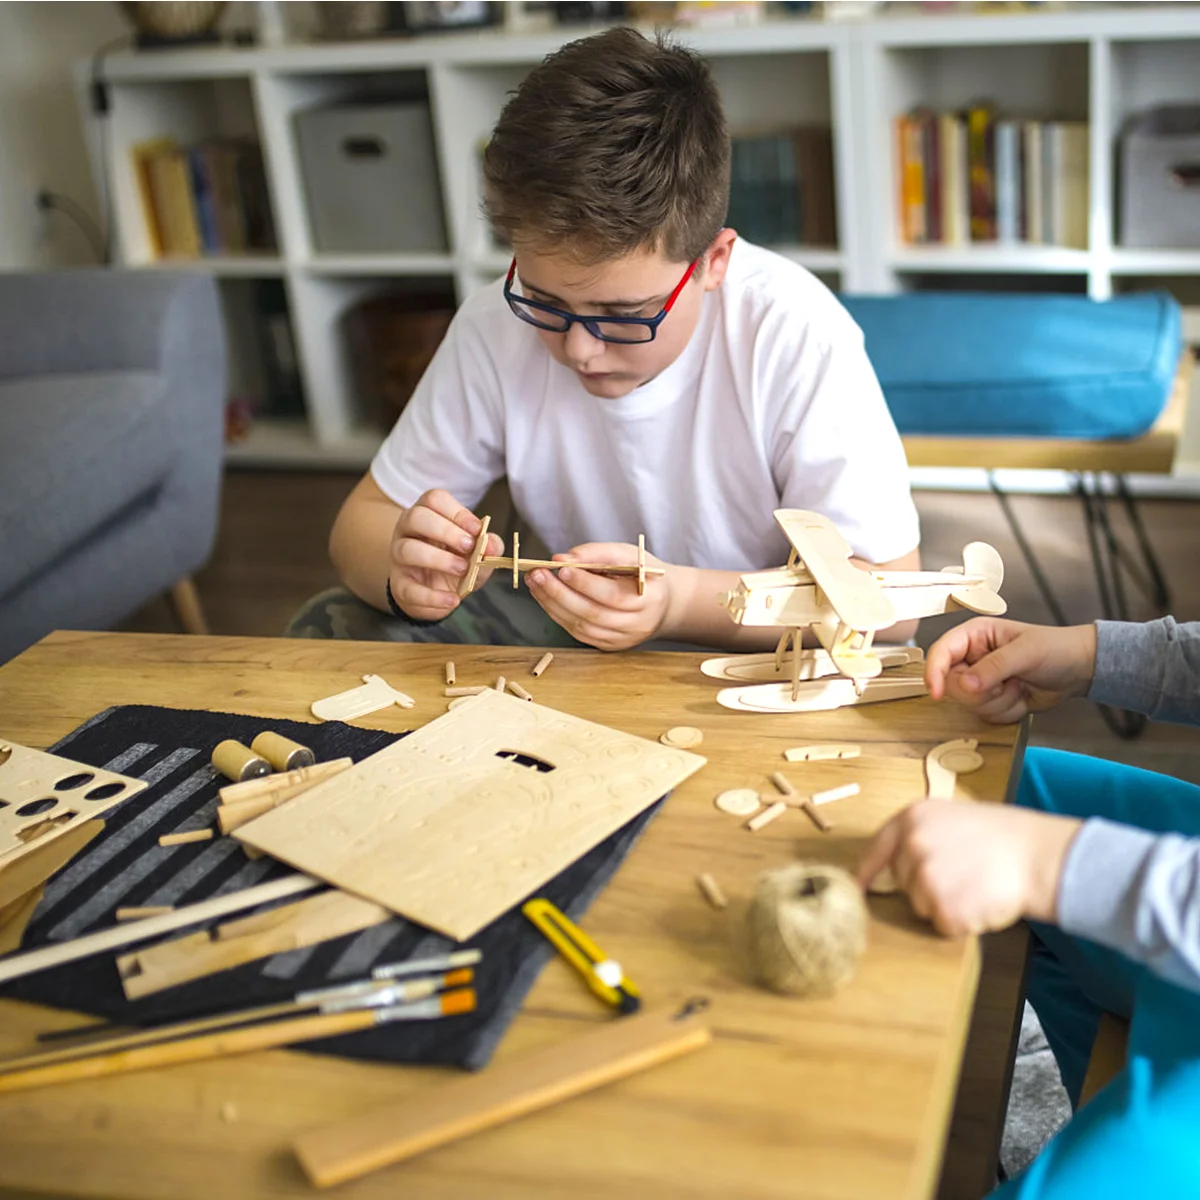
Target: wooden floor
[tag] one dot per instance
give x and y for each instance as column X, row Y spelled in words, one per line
column 271, row 555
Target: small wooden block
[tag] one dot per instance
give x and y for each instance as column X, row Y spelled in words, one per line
column 518, row 691
column 712, row 891
column 682, row 737
column 182, row 839
column 821, row 753
column 766, row 816
column 739, row 802
column 449, row 674
column 374, row 694
column 542, row 663
column 136, row 913
column 838, row 793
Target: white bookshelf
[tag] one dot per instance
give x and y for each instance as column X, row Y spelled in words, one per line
column 1098, row 65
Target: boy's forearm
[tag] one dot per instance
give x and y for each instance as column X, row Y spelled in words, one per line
column 360, row 547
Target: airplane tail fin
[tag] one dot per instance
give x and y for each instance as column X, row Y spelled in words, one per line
column 982, row 561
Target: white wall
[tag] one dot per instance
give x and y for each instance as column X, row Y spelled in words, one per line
column 41, row 141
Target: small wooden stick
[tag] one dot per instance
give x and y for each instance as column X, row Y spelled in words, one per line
column 814, row 815
column 449, row 674
column 181, row 839
column 468, row 580
column 542, row 663
column 516, row 557
column 782, row 783
column 135, row 913
column 641, row 564
column 712, row 890
column 766, row 816
column 501, row 682
column 819, row 753
column 464, row 691
column 518, row 690
column 837, row 793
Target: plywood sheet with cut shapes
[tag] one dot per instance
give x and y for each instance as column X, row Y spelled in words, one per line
column 42, row 795
column 459, row 821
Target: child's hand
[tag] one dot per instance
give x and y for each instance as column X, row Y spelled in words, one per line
column 604, row 611
column 431, row 549
column 1002, row 670
column 970, row 868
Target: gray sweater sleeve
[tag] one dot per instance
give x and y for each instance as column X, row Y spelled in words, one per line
column 1134, row 891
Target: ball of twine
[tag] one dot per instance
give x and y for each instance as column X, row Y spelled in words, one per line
column 807, row 927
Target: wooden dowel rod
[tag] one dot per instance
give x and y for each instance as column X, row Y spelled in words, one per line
column 18, row 965
column 268, row 785
column 505, row 563
column 182, row 839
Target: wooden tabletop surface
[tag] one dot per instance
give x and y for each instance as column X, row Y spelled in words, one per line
column 840, row 1097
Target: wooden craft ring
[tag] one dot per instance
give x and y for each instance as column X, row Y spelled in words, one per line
column 238, row 762
column 282, row 753
column 682, row 737
column 738, row 802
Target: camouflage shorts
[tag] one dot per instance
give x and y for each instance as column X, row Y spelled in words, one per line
column 495, row 615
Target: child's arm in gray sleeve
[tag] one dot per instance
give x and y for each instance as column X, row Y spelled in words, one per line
column 1152, row 669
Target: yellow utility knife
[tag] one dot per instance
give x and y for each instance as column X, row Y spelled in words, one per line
column 602, row 974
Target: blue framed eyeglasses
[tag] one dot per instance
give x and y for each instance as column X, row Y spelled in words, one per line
column 622, row 330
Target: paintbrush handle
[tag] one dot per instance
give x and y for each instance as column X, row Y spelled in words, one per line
column 28, row 1073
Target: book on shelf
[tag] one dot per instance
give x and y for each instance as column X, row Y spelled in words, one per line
column 781, row 187
column 206, row 199
column 976, row 176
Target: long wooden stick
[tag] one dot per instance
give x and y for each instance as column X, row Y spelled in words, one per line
column 529, row 564
column 436, row 1116
column 129, row 932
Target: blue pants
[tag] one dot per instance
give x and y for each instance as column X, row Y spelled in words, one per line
column 1141, row 1135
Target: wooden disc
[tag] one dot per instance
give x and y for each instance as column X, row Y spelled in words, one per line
column 682, row 737
column 961, row 762
column 738, row 802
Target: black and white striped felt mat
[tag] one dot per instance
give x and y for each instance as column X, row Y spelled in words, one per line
column 170, row 749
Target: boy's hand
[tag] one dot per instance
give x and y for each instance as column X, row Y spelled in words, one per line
column 971, row 868
column 1002, row 670
column 604, row 611
column 431, row 550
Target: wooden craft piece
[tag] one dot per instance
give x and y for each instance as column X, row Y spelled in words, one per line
column 641, row 565
column 500, row 683
column 449, row 674
column 136, row 912
column 273, row 785
column 238, row 762
column 305, row 923
column 374, row 694
column 814, row 664
column 463, row 691
column 884, row 884
column 821, row 753
column 282, row 753
column 516, row 560
column 231, row 816
column 782, row 784
column 459, row 700
column 518, row 691
column 836, row 793
column 454, row 824
column 503, row 1092
column 819, row 696
column 33, row 961
column 944, row 763
column 682, row 737
column 473, row 563
column 767, row 815
column 15, row 917
column 814, row 815
column 542, row 663
column 738, row 802
column 42, row 796
column 182, row 839
column 45, row 858
column 712, row 890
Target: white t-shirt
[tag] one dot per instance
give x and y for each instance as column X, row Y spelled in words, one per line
column 772, row 404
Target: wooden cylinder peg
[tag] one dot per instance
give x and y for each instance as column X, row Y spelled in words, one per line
column 282, row 753
column 238, row 762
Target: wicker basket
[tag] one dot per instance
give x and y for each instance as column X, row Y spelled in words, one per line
column 164, row 21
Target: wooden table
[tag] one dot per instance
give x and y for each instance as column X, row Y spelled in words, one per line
column 842, row 1097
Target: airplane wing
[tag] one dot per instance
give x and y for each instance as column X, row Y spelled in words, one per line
column 856, row 596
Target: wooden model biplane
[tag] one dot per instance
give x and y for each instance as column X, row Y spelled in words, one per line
column 822, row 590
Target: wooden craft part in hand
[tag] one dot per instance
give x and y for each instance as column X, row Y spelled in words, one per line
column 374, row 694
column 473, row 563
column 822, row 590
column 455, row 823
column 944, row 763
column 45, row 795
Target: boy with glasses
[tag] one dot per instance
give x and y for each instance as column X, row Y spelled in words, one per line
column 639, row 370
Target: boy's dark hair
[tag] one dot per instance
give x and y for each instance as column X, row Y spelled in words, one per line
column 613, row 144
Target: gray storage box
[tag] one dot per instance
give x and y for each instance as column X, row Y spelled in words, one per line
column 371, row 179
column 1160, row 179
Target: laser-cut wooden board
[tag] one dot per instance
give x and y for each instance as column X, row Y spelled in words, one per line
column 42, row 795
column 442, row 830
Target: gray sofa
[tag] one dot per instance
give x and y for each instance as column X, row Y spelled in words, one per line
column 112, row 389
